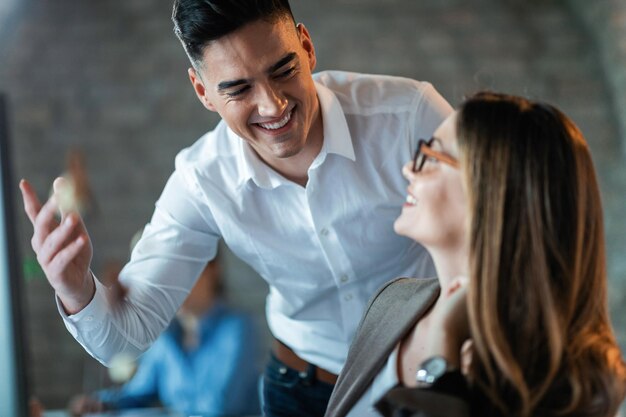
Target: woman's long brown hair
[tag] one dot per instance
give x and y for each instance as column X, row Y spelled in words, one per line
column 537, row 300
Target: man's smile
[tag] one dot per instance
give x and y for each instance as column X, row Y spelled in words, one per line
column 278, row 126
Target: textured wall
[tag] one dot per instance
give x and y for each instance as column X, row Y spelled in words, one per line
column 111, row 78
column 606, row 23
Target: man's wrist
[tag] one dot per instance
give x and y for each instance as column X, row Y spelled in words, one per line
column 74, row 304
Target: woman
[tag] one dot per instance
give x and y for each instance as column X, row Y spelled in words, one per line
column 504, row 194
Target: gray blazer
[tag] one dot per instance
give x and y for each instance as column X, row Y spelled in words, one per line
column 390, row 315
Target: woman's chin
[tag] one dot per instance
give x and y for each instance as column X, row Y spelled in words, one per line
column 401, row 227
column 408, row 228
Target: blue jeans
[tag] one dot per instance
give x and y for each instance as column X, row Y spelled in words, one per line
column 289, row 393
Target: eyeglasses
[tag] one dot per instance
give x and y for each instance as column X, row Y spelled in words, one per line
column 425, row 150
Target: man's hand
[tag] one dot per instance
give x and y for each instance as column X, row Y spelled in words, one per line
column 63, row 248
column 84, row 404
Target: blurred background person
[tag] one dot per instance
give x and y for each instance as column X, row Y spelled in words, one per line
column 204, row 363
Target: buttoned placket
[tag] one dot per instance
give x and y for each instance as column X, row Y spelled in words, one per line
column 330, row 244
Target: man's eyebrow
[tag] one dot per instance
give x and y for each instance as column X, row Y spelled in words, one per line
column 282, row 62
column 224, row 85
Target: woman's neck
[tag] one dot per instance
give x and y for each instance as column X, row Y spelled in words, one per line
column 450, row 264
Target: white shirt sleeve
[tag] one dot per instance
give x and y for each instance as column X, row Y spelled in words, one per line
column 430, row 110
column 174, row 248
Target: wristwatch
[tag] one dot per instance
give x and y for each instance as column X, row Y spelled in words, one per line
column 431, row 370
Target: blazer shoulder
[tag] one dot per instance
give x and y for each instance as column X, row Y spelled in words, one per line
column 394, row 308
column 401, row 289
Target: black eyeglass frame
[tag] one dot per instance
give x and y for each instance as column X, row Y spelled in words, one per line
column 424, row 151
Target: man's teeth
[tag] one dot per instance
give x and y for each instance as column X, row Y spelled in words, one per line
column 411, row 200
column 277, row 125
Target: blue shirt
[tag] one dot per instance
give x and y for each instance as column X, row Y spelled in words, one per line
column 218, row 377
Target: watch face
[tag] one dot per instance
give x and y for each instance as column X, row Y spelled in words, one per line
column 430, row 370
column 436, row 366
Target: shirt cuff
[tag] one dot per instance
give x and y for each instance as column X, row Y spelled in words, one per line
column 89, row 318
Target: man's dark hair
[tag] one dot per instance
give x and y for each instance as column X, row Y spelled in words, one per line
column 198, row 22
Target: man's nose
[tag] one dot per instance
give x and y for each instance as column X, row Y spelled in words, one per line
column 272, row 103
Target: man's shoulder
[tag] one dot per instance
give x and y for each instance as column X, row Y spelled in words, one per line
column 232, row 316
column 211, row 145
column 235, row 326
column 215, row 152
column 342, row 79
column 368, row 92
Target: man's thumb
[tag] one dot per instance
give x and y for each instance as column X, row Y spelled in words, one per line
column 64, row 195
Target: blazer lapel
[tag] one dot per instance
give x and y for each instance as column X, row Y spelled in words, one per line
column 392, row 313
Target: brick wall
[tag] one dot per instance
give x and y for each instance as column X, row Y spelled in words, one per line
column 606, row 22
column 110, row 78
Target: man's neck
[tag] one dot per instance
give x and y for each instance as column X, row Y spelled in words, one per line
column 298, row 172
column 296, row 167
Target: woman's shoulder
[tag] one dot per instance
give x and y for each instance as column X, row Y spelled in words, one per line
column 402, row 289
column 399, row 298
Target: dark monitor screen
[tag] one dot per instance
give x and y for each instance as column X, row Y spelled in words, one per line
column 13, row 401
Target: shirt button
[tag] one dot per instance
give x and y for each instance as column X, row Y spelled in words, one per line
column 324, row 232
column 89, row 318
column 348, row 297
column 344, row 278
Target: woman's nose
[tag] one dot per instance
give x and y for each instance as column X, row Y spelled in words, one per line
column 407, row 171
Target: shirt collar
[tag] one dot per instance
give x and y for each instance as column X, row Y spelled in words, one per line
column 337, row 140
column 207, row 322
column 337, row 137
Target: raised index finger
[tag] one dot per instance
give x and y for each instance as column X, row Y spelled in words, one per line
column 32, row 205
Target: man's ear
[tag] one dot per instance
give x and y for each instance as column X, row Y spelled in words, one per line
column 307, row 44
column 198, row 87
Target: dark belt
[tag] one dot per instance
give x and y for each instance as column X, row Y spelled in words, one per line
column 293, row 361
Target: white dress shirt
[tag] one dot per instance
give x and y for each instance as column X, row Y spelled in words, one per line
column 324, row 249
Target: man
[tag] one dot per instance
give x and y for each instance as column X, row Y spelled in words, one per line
column 302, row 179
column 204, row 363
